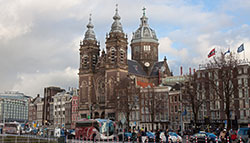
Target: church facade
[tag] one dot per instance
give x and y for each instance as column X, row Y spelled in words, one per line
column 100, row 71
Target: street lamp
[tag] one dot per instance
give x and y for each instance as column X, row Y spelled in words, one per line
column 91, row 110
column 181, row 122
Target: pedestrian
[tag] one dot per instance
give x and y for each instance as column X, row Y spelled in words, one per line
column 223, row 135
column 162, row 136
column 166, row 135
column 133, row 135
column 143, row 135
column 248, row 133
column 157, row 134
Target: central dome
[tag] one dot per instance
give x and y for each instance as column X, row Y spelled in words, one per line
column 144, row 33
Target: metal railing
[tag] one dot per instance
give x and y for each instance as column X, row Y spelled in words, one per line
column 10, row 138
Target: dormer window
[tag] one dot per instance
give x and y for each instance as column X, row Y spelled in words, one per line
column 146, row 47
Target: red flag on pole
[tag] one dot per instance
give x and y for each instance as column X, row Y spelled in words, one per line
column 211, row 53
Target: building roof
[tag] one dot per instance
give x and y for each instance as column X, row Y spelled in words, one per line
column 144, row 33
column 144, row 84
column 14, row 95
column 116, row 26
column 135, row 68
column 90, row 34
column 156, row 67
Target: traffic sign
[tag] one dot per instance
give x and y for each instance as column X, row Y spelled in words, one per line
column 123, row 121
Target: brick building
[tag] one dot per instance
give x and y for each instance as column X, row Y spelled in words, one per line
column 74, row 112
column 214, row 109
column 154, row 106
column 62, row 109
column 49, row 92
column 33, row 108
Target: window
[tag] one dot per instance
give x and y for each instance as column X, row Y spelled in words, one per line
column 218, row 114
column 245, row 70
column 204, row 74
column 239, row 71
column 217, row 104
column 198, row 75
column 122, row 56
column 239, row 81
column 85, row 60
column 246, row 92
column 240, row 93
column 241, row 104
column 94, row 59
column 146, row 47
column 241, row 114
column 113, row 55
column 245, row 82
column 210, row 75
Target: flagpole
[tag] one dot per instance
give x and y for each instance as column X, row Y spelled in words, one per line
column 244, row 54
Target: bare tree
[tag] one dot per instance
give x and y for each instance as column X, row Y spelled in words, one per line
column 191, row 98
column 150, row 99
column 222, row 80
column 127, row 98
column 154, row 103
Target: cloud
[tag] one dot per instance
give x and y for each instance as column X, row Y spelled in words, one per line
column 32, row 84
column 44, row 35
column 165, row 47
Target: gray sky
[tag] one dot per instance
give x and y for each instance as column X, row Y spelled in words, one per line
column 39, row 40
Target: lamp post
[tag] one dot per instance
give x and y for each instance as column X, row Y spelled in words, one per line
column 3, row 112
column 91, row 110
column 181, row 122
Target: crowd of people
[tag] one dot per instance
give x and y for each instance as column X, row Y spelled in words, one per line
column 162, row 135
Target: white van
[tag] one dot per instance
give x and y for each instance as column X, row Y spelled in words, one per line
column 57, row 132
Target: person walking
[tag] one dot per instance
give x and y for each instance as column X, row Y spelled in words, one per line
column 248, row 133
column 166, row 135
column 223, row 135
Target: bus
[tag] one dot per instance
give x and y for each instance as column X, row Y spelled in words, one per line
column 95, row 129
column 11, row 128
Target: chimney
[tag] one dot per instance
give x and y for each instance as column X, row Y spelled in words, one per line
column 181, row 70
column 165, row 59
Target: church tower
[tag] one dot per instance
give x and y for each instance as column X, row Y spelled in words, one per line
column 144, row 45
column 89, row 50
column 116, row 62
column 89, row 54
column 116, row 45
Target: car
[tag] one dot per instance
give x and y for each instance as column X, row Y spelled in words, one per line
column 201, row 137
column 242, row 132
column 151, row 136
column 128, row 136
column 174, row 137
column 71, row 134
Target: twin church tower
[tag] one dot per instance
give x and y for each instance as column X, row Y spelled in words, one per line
column 100, row 71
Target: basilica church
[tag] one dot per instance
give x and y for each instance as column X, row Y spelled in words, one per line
column 101, row 70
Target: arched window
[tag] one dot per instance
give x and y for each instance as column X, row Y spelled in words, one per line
column 84, row 90
column 122, row 56
column 85, row 61
column 94, row 60
column 112, row 54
